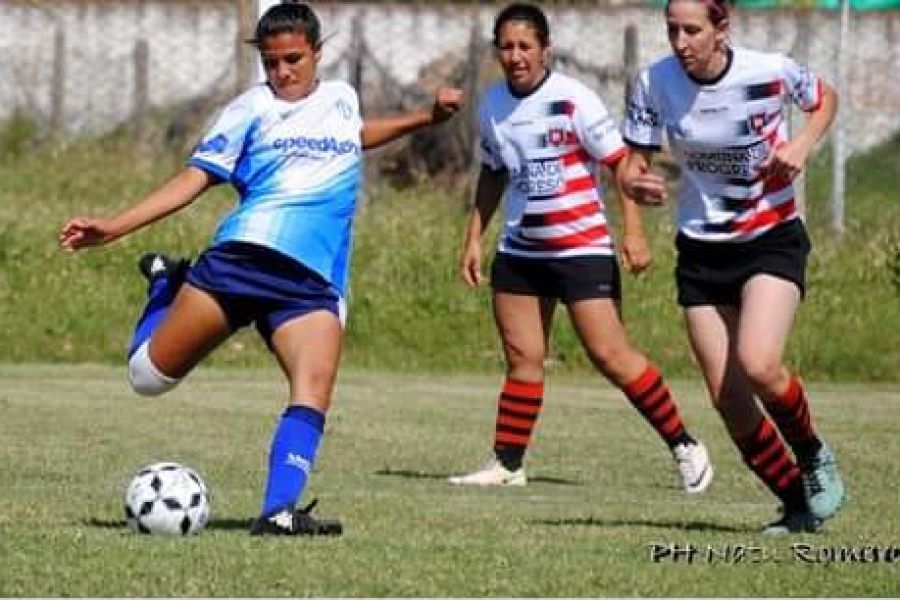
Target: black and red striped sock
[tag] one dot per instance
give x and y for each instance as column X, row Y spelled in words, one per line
column 517, row 412
column 790, row 411
column 768, row 458
column 650, row 395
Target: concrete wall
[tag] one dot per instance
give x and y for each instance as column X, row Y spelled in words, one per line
column 82, row 53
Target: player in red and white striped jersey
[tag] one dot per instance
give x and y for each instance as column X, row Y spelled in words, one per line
column 542, row 134
column 742, row 246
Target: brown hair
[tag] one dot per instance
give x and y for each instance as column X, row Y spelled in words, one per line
column 717, row 10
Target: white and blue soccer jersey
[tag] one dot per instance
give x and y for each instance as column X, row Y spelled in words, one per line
column 720, row 132
column 549, row 143
column 297, row 167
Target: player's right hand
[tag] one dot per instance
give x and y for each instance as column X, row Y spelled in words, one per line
column 83, row 232
column 470, row 265
column 447, row 102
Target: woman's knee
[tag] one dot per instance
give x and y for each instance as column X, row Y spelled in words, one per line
column 762, row 370
column 616, row 360
column 524, row 366
column 144, row 377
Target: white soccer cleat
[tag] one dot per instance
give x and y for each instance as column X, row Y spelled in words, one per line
column 492, row 474
column 693, row 466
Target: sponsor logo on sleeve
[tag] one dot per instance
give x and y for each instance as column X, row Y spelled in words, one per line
column 214, row 145
column 642, row 115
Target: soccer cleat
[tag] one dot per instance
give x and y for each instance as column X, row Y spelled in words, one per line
column 296, row 522
column 694, row 467
column 492, row 474
column 822, row 483
column 794, row 521
column 155, row 264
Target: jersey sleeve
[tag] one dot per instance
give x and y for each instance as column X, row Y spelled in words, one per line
column 489, row 145
column 643, row 123
column 596, row 129
column 222, row 145
column 803, row 86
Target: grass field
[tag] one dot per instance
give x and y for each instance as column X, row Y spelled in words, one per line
column 602, row 493
column 408, row 308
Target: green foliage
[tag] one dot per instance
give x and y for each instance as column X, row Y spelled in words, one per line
column 601, row 491
column 409, row 310
column 18, row 134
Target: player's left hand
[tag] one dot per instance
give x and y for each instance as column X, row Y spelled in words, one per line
column 447, row 102
column 636, row 253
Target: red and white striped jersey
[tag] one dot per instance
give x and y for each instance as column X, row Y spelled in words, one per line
column 720, row 132
column 549, row 143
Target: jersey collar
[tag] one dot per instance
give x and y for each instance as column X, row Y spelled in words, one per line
column 540, row 83
column 700, row 81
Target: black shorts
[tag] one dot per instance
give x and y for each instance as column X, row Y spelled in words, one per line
column 714, row 273
column 566, row 279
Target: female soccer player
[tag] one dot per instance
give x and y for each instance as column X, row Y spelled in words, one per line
column 292, row 148
column 541, row 136
column 742, row 247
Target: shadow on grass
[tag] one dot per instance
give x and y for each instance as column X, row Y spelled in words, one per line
column 226, row 524
column 230, row 524
column 658, row 523
column 411, row 474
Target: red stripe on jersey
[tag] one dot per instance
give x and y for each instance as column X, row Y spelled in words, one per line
column 570, row 214
column 773, row 185
column 575, row 240
column 774, row 140
column 613, row 159
column 579, row 184
column 771, row 216
column 576, row 157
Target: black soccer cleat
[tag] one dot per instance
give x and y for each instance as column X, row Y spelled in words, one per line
column 155, row 264
column 794, row 521
column 296, row 522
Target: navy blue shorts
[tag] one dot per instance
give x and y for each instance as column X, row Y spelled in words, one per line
column 714, row 273
column 567, row 279
column 254, row 284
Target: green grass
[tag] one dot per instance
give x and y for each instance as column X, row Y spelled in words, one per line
column 602, row 491
column 408, row 308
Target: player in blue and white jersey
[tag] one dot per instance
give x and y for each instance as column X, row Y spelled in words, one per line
column 742, row 246
column 292, row 148
column 542, row 137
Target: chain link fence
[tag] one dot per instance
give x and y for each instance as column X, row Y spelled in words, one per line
column 81, row 67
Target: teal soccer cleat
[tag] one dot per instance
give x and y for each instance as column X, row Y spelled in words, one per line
column 822, row 483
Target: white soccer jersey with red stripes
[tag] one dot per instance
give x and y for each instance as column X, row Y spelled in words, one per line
column 549, row 143
column 720, row 132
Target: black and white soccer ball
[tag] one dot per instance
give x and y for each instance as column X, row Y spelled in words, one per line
column 167, row 498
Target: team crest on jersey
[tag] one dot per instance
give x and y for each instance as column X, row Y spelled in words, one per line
column 758, row 123
column 344, row 109
column 556, row 137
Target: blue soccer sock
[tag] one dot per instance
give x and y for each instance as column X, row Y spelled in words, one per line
column 159, row 297
column 291, row 457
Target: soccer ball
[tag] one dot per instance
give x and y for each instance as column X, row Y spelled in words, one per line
column 167, row 498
